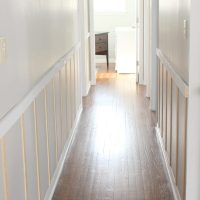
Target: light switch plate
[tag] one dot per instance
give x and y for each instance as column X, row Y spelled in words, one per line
column 2, row 50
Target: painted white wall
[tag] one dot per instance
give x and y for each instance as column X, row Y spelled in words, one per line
column 37, row 34
column 193, row 137
column 153, row 57
column 109, row 21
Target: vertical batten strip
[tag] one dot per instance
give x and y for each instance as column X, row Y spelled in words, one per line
column 47, row 136
column 161, row 97
column 72, row 85
column 74, row 93
column 158, row 105
column 54, row 110
column 71, row 99
column 162, row 117
column 61, row 110
column 79, row 83
column 75, row 80
column 36, row 150
column 177, row 136
column 5, row 169
column 64, row 104
column 69, row 93
column 66, row 97
column 185, row 149
column 171, row 84
column 77, row 90
column 24, row 157
column 166, row 99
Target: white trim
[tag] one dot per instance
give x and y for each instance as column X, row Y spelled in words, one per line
column 92, row 43
column 102, row 60
column 141, row 70
column 14, row 114
column 153, row 56
column 58, row 171
column 147, row 41
column 183, row 87
column 87, row 89
column 167, row 166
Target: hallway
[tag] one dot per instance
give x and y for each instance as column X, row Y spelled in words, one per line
column 115, row 154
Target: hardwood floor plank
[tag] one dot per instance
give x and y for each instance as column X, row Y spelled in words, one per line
column 115, row 155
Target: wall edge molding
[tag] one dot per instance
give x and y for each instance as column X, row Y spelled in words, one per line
column 60, row 165
column 183, row 87
column 166, row 164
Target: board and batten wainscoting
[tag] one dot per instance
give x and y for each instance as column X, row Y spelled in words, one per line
column 172, row 116
column 36, row 134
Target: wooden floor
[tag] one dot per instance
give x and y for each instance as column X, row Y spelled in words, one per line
column 115, row 155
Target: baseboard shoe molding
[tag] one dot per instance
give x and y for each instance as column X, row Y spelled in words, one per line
column 58, row 171
column 167, row 166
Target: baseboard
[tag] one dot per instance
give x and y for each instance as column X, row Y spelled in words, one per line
column 58, row 171
column 87, row 90
column 88, row 87
column 167, row 166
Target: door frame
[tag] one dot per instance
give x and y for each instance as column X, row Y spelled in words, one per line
column 87, row 38
column 140, row 26
column 148, row 43
column 146, row 65
column 92, row 42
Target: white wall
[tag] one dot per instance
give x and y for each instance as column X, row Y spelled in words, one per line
column 108, row 22
column 37, row 34
column 193, row 138
column 173, row 42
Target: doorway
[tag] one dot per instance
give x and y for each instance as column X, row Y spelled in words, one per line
column 118, row 18
column 125, row 13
